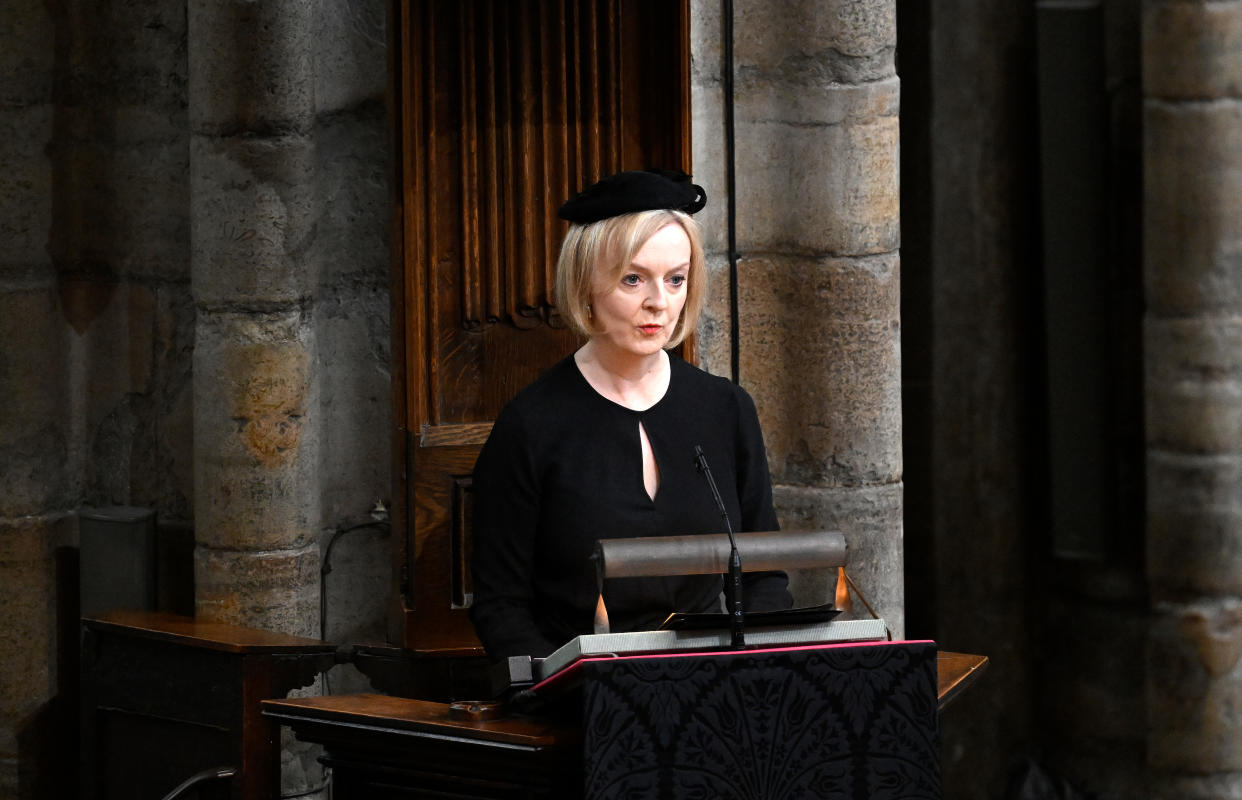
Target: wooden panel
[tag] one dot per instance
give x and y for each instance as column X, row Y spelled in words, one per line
column 504, row 109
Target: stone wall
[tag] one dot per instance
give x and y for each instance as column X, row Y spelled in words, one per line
column 816, row 101
column 1192, row 90
column 100, row 180
column 289, row 186
column 96, row 330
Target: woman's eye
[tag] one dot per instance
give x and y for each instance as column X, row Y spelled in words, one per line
column 677, row 280
column 630, row 280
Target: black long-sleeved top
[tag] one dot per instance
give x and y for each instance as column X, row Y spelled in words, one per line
column 562, row 469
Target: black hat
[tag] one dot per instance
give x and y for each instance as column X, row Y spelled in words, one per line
column 637, row 190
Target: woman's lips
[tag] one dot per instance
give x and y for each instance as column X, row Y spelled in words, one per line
column 651, row 330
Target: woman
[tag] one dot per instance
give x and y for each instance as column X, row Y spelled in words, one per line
column 602, row 445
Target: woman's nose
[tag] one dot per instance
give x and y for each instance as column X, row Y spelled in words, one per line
column 656, row 297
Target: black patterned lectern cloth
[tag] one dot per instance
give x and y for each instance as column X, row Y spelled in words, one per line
column 854, row 722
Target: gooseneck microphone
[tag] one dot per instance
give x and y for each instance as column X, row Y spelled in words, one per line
column 733, row 581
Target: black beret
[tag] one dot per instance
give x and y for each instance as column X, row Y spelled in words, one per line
column 637, row 190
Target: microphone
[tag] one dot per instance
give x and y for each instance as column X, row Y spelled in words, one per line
column 733, row 582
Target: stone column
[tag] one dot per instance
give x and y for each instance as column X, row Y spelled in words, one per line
column 251, row 89
column 1192, row 85
column 818, row 232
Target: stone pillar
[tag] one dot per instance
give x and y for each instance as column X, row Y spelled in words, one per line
column 818, row 231
column 251, row 89
column 1192, row 85
column 35, row 491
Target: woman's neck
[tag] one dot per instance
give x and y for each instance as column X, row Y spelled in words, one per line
column 636, row 382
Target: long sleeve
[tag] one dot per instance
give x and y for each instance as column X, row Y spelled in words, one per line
column 506, row 518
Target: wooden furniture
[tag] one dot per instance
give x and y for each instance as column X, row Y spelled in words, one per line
column 164, row 697
column 954, row 672
column 384, row 747
column 387, row 747
column 502, row 111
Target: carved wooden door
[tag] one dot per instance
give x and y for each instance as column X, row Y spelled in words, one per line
column 504, row 109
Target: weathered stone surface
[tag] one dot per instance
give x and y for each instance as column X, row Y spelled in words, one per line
column 352, row 348
column 839, row 423
column 361, row 566
column 1194, row 384
column 35, row 427
column 829, row 189
column 713, row 340
column 27, row 53
column 1098, row 708
column 1195, row 417
column 352, row 214
column 251, row 66
column 1193, row 211
column 816, row 41
column 819, row 106
column 1210, row 68
column 140, row 423
column 121, row 54
column 28, row 605
column 1167, row 786
column 253, row 203
column 870, row 518
column 1195, row 687
column 708, row 153
column 1194, row 524
column 121, row 208
column 26, row 190
column 271, row 590
column 256, row 438
column 706, row 45
column 349, row 48
column 1200, row 349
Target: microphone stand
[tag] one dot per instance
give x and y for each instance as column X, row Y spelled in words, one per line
column 733, row 581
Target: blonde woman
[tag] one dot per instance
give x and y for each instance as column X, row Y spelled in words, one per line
column 602, row 445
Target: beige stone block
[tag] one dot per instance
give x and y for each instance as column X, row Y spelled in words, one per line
column 820, row 353
column 827, row 189
column 255, row 456
column 250, row 66
column 1195, row 416
column 252, row 200
column 815, row 106
column 1202, row 349
column 709, row 164
column 1174, row 786
column 1194, row 693
column 1193, row 207
column 871, row 519
column 807, row 41
column 275, row 590
column 28, row 602
column 1194, row 524
column 714, row 331
column 706, row 42
column 1192, row 50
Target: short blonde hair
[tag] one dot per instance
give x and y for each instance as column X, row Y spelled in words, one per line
column 609, row 246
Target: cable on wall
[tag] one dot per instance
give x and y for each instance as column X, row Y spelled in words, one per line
column 731, row 192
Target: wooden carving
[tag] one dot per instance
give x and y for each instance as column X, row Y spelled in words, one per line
column 504, row 110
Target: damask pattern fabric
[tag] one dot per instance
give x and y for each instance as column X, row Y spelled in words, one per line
column 844, row 722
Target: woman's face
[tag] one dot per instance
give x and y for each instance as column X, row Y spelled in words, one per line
column 636, row 313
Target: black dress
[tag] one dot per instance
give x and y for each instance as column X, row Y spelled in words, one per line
column 563, row 469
